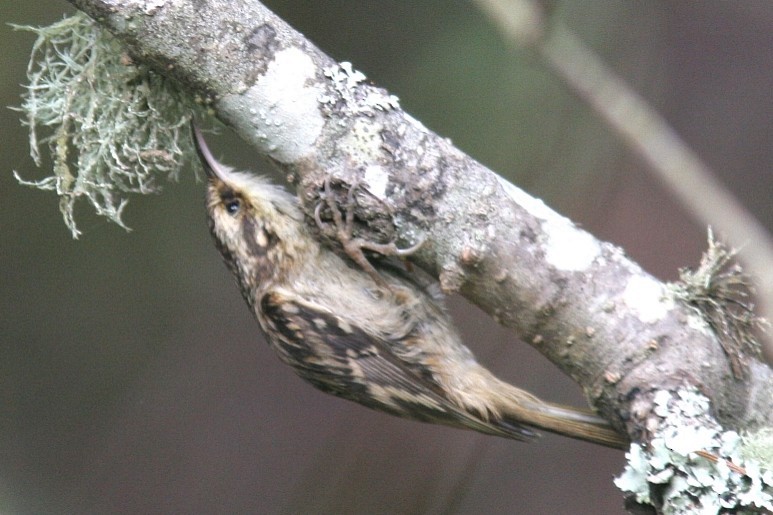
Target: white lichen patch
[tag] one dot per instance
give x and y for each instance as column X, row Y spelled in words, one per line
column 376, row 179
column 693, row 465
column 283, row 107
column 362, row 143
column 647, row 297
column 531, row 204
column 344, row 76
column 146, row 6
column 697, row 322
column 567, row 248
column 381, row 102
column 359, row 98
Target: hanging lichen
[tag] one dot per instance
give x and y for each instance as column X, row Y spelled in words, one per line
column 112, row 127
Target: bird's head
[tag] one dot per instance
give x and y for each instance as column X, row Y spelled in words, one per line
column 256, row 225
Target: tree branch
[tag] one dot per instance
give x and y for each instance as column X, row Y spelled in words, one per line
column 612, row 327
column 523, row 24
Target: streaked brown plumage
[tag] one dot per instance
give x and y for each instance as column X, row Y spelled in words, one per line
column 389, row 345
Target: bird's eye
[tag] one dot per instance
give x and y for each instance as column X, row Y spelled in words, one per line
column 233, row 206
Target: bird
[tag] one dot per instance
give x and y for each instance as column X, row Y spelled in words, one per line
column 385, row 342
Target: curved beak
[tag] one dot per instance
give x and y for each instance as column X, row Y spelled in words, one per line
column 212, row 168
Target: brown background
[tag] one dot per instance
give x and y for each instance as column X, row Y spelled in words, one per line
column 133, row 378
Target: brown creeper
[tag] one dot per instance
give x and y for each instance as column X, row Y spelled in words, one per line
column 388, row 346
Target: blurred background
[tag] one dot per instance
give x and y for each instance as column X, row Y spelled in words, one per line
column 133, row 378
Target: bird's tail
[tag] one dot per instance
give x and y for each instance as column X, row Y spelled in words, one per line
column 573, row 422
column 515, row 408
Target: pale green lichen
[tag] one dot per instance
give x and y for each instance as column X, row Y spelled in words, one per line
column 112, row 127
column 758, row 446
column 692, row 466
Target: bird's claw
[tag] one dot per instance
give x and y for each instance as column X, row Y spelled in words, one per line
column 343, row 231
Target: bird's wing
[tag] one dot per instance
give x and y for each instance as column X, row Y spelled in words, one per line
column 342, row 359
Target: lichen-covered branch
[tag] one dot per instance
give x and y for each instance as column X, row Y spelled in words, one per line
column 615, row 329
